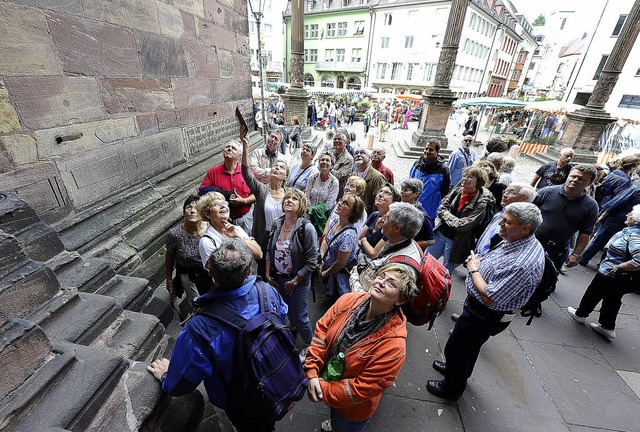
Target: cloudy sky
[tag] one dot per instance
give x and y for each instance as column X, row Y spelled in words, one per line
column 587, row 11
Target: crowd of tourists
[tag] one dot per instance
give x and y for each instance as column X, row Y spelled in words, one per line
column 335, row 219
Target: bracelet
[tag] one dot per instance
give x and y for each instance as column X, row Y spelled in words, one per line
column 474, row 271
column 577, row 255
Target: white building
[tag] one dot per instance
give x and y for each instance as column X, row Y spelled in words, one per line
column 625, row 98
column 272, row 40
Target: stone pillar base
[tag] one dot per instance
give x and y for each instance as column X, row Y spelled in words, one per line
column 295, row 102
column 584, row 127
column 434, row 118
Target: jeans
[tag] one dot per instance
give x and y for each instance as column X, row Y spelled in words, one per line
column 597, row 243
column 334, row 123
column 341, row 424
column 298, row 312
column 610, row 290
column 442, row 247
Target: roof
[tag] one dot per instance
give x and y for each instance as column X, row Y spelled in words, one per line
column 573, row 47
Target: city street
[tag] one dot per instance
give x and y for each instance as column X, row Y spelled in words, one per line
column 554, row 375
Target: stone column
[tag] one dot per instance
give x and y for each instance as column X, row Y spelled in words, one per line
column 439, row 97
column 585, row 126
column 296, row 98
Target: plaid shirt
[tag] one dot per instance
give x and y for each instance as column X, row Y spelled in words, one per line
column 512, row 272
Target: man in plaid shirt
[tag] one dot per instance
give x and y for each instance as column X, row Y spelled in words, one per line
column 498, row 283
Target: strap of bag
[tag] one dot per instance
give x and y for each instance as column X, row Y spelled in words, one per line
column 298, row 176
column 335, row 237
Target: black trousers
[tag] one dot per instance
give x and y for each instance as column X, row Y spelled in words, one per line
column 610, row 291
column 476, row 325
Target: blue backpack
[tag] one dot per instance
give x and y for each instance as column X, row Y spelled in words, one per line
column 268, row 378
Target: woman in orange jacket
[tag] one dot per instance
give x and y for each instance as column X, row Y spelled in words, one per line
column 370, row 329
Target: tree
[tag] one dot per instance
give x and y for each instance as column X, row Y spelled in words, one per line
column 540, row 21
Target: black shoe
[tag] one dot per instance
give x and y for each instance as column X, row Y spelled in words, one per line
column 437, row 388
column 439, row 366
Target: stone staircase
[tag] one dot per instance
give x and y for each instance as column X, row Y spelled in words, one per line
column 407, row 150
column 75, row 337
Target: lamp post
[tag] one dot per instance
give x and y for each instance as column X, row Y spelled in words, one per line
column 257, row 15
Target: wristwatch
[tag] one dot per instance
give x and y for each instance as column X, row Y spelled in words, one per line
column 294, row 282
column 474, row 271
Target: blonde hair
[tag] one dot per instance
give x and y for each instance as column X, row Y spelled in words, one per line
column 408, row 287
column 302, row 198
column 359, row 183
column 204, row 203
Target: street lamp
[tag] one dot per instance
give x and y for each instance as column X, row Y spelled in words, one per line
column 257, row 6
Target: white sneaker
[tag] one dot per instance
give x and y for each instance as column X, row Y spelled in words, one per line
column 572, row 314
column 596, row 327
column 303, row 355
column 326, row 426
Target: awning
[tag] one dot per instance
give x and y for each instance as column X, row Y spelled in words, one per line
column 490, row 102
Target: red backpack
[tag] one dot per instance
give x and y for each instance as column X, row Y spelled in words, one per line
column 434, row 283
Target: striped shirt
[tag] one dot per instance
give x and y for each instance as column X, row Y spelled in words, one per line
column 512, row 272
column 617, row 249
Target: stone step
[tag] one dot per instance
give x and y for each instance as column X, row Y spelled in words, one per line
column 11, row 255
column 27, row 289
column 15, row 214
column 129, row 292
column 66, row 392
column 134, row 335
column 542, row 158
column 88, row 275
column 76, row 316
column 159, row 305
column 39, row 242
column 24, row 348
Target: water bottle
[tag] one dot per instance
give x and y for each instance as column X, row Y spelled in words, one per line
column 335, row 368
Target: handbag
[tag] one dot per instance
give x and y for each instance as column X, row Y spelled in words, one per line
column 178, row 289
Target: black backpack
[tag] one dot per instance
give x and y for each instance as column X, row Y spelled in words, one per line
column 268, row 377
column 547, row 285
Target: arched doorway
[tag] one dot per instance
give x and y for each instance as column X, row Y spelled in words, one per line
column 326, row 81
column 354, row 83
column 340, row 81
column 308, row 80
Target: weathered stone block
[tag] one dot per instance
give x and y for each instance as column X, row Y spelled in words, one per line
column 170, row 20
column 194, row 7
column 103, row 172
column 94, row 48
column 45, row 102
column 168, row 120
column 210, row 34
column 224, row 90
column 202, row 61
column 20, row 148
column 219, row 14
column 23, row 349
column 226, row 63
column 9, row 121
column 125, row 95
column 15, row 213
column 188, row 26
column 162, row 56
column 72, row 7
column 147, row 124
column 191, row 92
column 69, row 140
column 25, row 43
column 138, row 14
column 204, row 137
column 27, row 289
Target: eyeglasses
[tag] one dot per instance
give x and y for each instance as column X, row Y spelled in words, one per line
column 387, row 282
column 219, row 205
column 466, row 140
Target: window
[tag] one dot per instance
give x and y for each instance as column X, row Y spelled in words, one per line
column 252, row 27
column 340, row 55
column 630, row 101
column 269, row 56
column 313, row 31
column 306, row 55
column 358, row 28
column 385, row 42
column 326, row 81
column 619, row 24
column 308, row 80
column 313, row 55
column 520, row 58
column 267, row 29
column 356, row 55
column 532, row 65
column 564, row 21
column 331, row 30
column 342, row 29
column 395, row 70
column 539, row 38
column 410, row 67
column 381, row 70
column 536, row 52
column 408, row 41
column 328, row 55
column 603, row 61
column 514, row 75
column 387, row 19
column 306, row 31
column 473, row 19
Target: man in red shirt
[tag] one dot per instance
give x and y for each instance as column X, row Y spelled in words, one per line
column 227, row 179
column 377, row 156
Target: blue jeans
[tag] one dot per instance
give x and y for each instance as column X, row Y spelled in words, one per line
column 341, row 424
column 442, row 247
column 334, row 123
column 298, row 308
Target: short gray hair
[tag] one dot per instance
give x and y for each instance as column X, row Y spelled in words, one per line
column 634, row 214
column 407, row 217
column 567, row 150
column 508, row 162
column 526, row 213
column 414, row 184
column 230, row 263
column 495, row 156
column 524, row 189
column 238, row 146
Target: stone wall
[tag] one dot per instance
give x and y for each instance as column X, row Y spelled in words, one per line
column 112, row 111
column 98, row 96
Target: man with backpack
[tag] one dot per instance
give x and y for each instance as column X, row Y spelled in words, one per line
column 211, row 346
column 498, row 283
